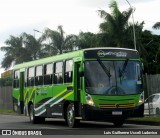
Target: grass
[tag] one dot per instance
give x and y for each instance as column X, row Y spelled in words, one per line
column 147, row 118
column 6, row 111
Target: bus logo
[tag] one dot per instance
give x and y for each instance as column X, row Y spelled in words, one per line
column 117, row 105
column 101, row 53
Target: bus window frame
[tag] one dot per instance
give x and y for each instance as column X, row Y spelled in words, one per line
column 68, row 71
column 16, row 81
column 54, row 72
column 44, row 75
column 29, row 84
column 36, row 76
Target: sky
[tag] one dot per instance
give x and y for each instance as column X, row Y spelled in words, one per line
column 18, row 16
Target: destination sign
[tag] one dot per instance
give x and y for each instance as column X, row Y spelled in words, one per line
column 111, row 53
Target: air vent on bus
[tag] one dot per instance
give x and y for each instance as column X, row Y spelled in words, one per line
column 130, row 105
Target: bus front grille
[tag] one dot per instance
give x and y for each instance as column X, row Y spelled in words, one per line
column 130, row 105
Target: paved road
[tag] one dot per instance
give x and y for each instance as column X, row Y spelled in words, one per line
column 22, row 122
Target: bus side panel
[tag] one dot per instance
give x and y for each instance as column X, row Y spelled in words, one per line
column 43, row 97
column 16, row 100
column 61, row 94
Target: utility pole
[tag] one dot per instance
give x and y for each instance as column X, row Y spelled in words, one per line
column 134, row 35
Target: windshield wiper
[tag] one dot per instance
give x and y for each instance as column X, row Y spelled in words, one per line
column 121, row 72
column 104, row 68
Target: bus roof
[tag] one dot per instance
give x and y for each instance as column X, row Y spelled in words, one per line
column 69, row 55
column 109, row 48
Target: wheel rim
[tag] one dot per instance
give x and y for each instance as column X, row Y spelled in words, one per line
column 70, row 116
column 31, row 114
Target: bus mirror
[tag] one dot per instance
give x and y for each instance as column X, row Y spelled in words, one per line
column 81, row 74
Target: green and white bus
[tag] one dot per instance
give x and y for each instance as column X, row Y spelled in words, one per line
column 89, row 84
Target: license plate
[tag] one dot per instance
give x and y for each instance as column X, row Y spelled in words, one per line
column 116, row 112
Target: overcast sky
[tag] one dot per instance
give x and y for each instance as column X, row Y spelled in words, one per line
column 17, row 16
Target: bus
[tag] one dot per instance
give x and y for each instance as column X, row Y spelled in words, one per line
column 90, row 84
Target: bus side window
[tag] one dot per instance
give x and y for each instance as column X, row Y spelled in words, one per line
column 30, row 76
column 39, row 75
column 48, row 74
column 68, row 71
column 16, row 79
column 58, row 69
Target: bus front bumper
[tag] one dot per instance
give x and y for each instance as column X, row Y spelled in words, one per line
column 95, row 113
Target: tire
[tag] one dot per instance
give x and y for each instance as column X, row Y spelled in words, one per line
column 157, row 111
column 35, row 119
column 118, row 123
column 70, row 116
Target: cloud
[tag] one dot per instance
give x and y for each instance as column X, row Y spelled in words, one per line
column 19, row 16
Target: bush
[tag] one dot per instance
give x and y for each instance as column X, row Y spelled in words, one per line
column 6, row 82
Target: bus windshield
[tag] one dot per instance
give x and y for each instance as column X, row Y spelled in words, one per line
column 113, row 77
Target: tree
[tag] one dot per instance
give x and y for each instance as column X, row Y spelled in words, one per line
column 87, row 40
column 15, row 51
column 115, row 25
column 156, row 25
column 33, row 47
column 151, row 43
column 58, row 42
column 21, row 49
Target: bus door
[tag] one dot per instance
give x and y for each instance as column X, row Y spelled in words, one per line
column 21, row 92
column 78, row 87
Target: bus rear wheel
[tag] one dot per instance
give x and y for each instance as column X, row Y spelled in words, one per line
column 35, row 119
column 70, row 117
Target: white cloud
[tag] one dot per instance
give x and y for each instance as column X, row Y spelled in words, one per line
column 19, row 16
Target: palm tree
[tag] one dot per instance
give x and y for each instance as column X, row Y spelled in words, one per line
column 87, row 40
column 21, row 49
column 15, row 51
column 115, row 24
column 33, row 47
column 58, row 42
column 156, row 25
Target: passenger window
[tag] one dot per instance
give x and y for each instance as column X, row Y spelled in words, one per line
column 16, row 79
column 39, row 75
column 48, row 74
column 68, row 71
column 30, row 76
column 58, row 73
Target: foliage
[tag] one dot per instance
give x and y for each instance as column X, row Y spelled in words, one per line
column 115, row 31
column 32, row 46
column 115, row 25
column 151, row 43
column 21, row 49
column 58, row 42
column 6, row 82
column 14, row 51
column 87, row 40
column 156, row 25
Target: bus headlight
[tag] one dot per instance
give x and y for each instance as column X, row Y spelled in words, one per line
column 89, row 100
column 141, row 98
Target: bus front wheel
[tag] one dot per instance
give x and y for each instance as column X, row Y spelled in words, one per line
column 70, row 116
column 118, row 123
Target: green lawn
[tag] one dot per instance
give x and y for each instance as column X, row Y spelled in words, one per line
column 6, row 111
column 147, row 118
